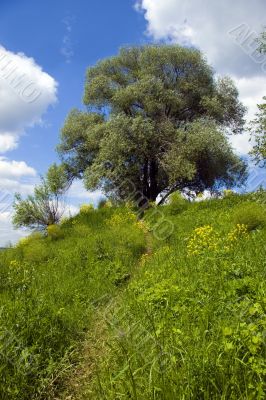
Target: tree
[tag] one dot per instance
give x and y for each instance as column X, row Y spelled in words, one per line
column 258, row 125
column 45, row 206
column 140, row 106
column 258, row 128
column 262, row 42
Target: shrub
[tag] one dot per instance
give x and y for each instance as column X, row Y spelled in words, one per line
column 54, row 232
column 86, row 208
column 228, row 192
column 177, row 203
column 251, row 215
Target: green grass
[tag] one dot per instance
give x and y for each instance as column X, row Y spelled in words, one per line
column 50, row 290
column 188, row 320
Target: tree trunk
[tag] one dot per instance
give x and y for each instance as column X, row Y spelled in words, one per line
column 153, row 180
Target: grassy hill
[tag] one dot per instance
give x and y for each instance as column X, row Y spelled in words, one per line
column 103, row 308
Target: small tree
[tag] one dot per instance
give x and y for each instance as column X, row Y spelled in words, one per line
column 258, row 128
column 45, row 207
column 258, row 125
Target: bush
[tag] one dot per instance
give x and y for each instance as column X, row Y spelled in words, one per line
column 54, row 232
column 228, row 192
column 86, row 208
column 251, row 215
column 177, row 203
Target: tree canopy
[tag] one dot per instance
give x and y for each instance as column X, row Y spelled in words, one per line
column 45, row 207
column 156, row 119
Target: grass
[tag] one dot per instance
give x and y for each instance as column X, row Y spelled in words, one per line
column 104, row 310
column 50, row 289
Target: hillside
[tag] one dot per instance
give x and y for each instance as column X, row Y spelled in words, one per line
column 103, row 308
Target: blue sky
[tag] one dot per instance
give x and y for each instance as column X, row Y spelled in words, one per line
column 38, row 29
column 53, row 42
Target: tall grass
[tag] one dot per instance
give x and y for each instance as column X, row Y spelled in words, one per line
column 50, row 289
column 191, row 325
column 188, row 320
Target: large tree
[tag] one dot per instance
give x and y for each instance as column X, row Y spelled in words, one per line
column 155, row 116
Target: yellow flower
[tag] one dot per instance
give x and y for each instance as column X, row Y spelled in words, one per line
column 202, row 239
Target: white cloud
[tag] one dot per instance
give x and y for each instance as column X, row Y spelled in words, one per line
column 70, row 210
column 81, row 195
column 26, row 91
column 251, row 90
column 15, row 176
column 225, row 31
column 7, row 232
column 14, row 169
column 206, row 24
column 7, row 142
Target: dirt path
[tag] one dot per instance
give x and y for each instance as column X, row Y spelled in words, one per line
column 93, row 351
column 95, row 348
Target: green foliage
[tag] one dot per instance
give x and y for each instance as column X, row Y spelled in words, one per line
column 258, row 125
column 86, row 208
column 54, row 232
column 153, row 119
column 177, row 203
column 228, row 192
column 262, row 42
column 203, row 158
column 258, row 130
column 252, row 215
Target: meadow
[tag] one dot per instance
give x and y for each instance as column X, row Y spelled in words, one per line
column 100, row 308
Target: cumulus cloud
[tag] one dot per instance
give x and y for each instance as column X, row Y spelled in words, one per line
column 251, row 91
column 14, row 169
column 15, row 176
column 211, row 26
column 26, row 91
column 226, row 32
